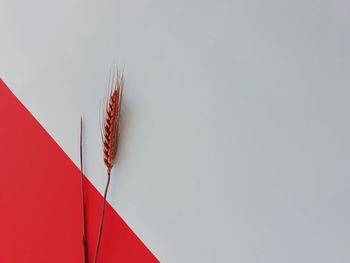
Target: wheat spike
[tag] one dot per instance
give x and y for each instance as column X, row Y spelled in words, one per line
column 111, row 121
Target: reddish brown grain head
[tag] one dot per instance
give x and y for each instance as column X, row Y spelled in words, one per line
column 111, row 121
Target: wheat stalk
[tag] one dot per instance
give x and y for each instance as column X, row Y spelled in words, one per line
column 83, row 192
column 110, row 138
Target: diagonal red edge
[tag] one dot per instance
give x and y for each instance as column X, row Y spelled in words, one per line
column 40, row 205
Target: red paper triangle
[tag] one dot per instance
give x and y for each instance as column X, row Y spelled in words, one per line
column 40, row 201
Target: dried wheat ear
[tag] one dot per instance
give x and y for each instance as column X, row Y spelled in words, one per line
column 111, row 121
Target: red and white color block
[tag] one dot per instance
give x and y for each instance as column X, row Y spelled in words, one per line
column 40, row 201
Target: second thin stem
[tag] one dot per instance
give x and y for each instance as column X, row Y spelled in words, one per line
column 83, row 193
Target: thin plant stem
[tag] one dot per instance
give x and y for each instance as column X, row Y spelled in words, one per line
column 83, row 193
column 102, row 215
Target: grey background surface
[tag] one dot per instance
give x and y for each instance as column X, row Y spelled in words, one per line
column 235, row 143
